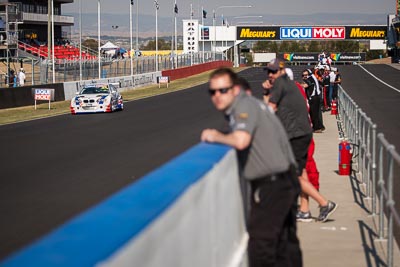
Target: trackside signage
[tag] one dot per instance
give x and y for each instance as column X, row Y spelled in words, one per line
column 366, row 32
column 377, row 32
column 257, row 33
column 313, row 57
column 312, row 33
column 43, row 94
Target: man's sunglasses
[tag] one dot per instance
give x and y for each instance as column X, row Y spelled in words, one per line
column 221, row 91
column 305, row 75
column 272, row 71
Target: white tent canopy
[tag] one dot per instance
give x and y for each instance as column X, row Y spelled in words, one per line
column 108, row 46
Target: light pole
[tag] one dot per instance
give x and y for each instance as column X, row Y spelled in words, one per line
column 48, row 39
column 157, row 7
column 137, row 34
column 137, row 25
column 52, row 41
column 130, row 35
column 98, row 36
column 80, row 40
column 114, row 38
column 215, row 28
column 202, row 31
column 175, row 58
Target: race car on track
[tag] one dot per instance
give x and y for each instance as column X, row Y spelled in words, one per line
column 96, row 98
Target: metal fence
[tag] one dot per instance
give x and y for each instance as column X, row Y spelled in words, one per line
column 40, row 71
column 377, row 164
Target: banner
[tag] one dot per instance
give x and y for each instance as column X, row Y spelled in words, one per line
column 272, row 33
column 257, row 33
column 205, row 33
column 298, row 57
column 313, row 57
column 302, row 33
column 348, row 57
column 44, row 94
column 366, row 32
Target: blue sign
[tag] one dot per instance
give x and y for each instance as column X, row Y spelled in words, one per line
column 296, row 33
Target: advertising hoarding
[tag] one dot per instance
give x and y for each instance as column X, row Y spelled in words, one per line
column 313, row 57
column 302, row 33
column 266, row 33
column 257, row 33
column 366, row 32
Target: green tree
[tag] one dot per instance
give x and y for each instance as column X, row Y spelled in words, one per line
column 261, row 46
column 162, row 45
column 314, row 47
column 284, row 47
column 92, row 44
column 294, row 46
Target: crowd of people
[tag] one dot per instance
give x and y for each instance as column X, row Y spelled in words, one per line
column 275, row 146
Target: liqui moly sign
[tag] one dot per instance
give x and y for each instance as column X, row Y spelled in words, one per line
column 312, row 33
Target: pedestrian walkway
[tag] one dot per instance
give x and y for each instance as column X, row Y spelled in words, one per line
column 347, row 238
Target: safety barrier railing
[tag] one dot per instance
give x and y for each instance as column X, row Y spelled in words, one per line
column 374, row 155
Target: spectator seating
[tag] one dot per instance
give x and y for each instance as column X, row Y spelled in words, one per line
column 60, row 52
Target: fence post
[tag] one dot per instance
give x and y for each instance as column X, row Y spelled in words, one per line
column 381, row 184
column 373, row 210
column 390, row 205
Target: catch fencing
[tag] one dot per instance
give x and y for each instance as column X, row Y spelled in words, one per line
column 40, row 71
column 377, row 164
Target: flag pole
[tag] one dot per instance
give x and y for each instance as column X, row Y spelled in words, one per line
column 176, row 41
column 202, row 31
column 191, row 21
column 156, row 3
column 131, row 36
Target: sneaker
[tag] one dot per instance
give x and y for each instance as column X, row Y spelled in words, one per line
column 326, row 211
column 304, row 216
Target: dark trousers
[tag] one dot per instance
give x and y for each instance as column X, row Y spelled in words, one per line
column 316, row 113
column 335, row 91
column 272, row 223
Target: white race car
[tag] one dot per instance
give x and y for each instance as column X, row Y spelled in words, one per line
column 96, row 98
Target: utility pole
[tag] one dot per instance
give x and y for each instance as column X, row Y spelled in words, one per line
column 48, row 37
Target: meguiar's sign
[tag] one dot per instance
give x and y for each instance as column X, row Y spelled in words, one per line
column 366, row 32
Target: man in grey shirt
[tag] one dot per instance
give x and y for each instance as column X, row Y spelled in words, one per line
column 267, row 161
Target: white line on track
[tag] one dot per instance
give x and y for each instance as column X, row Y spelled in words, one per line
column 388, row 85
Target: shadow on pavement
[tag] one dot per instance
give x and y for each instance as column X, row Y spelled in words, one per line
column 368, row 236
column 358, row 194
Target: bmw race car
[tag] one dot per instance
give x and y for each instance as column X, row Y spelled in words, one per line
column 96, row 98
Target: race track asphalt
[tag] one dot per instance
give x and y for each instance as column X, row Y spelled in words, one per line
column 378, row 101
column 55, row 168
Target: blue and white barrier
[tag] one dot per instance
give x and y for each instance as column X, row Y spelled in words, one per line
column 186, row 213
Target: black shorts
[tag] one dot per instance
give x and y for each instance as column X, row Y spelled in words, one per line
column 300, row 150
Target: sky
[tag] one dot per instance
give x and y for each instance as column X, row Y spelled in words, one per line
column 264, row 7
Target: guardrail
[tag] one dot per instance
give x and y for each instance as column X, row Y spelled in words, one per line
column 374, row 155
